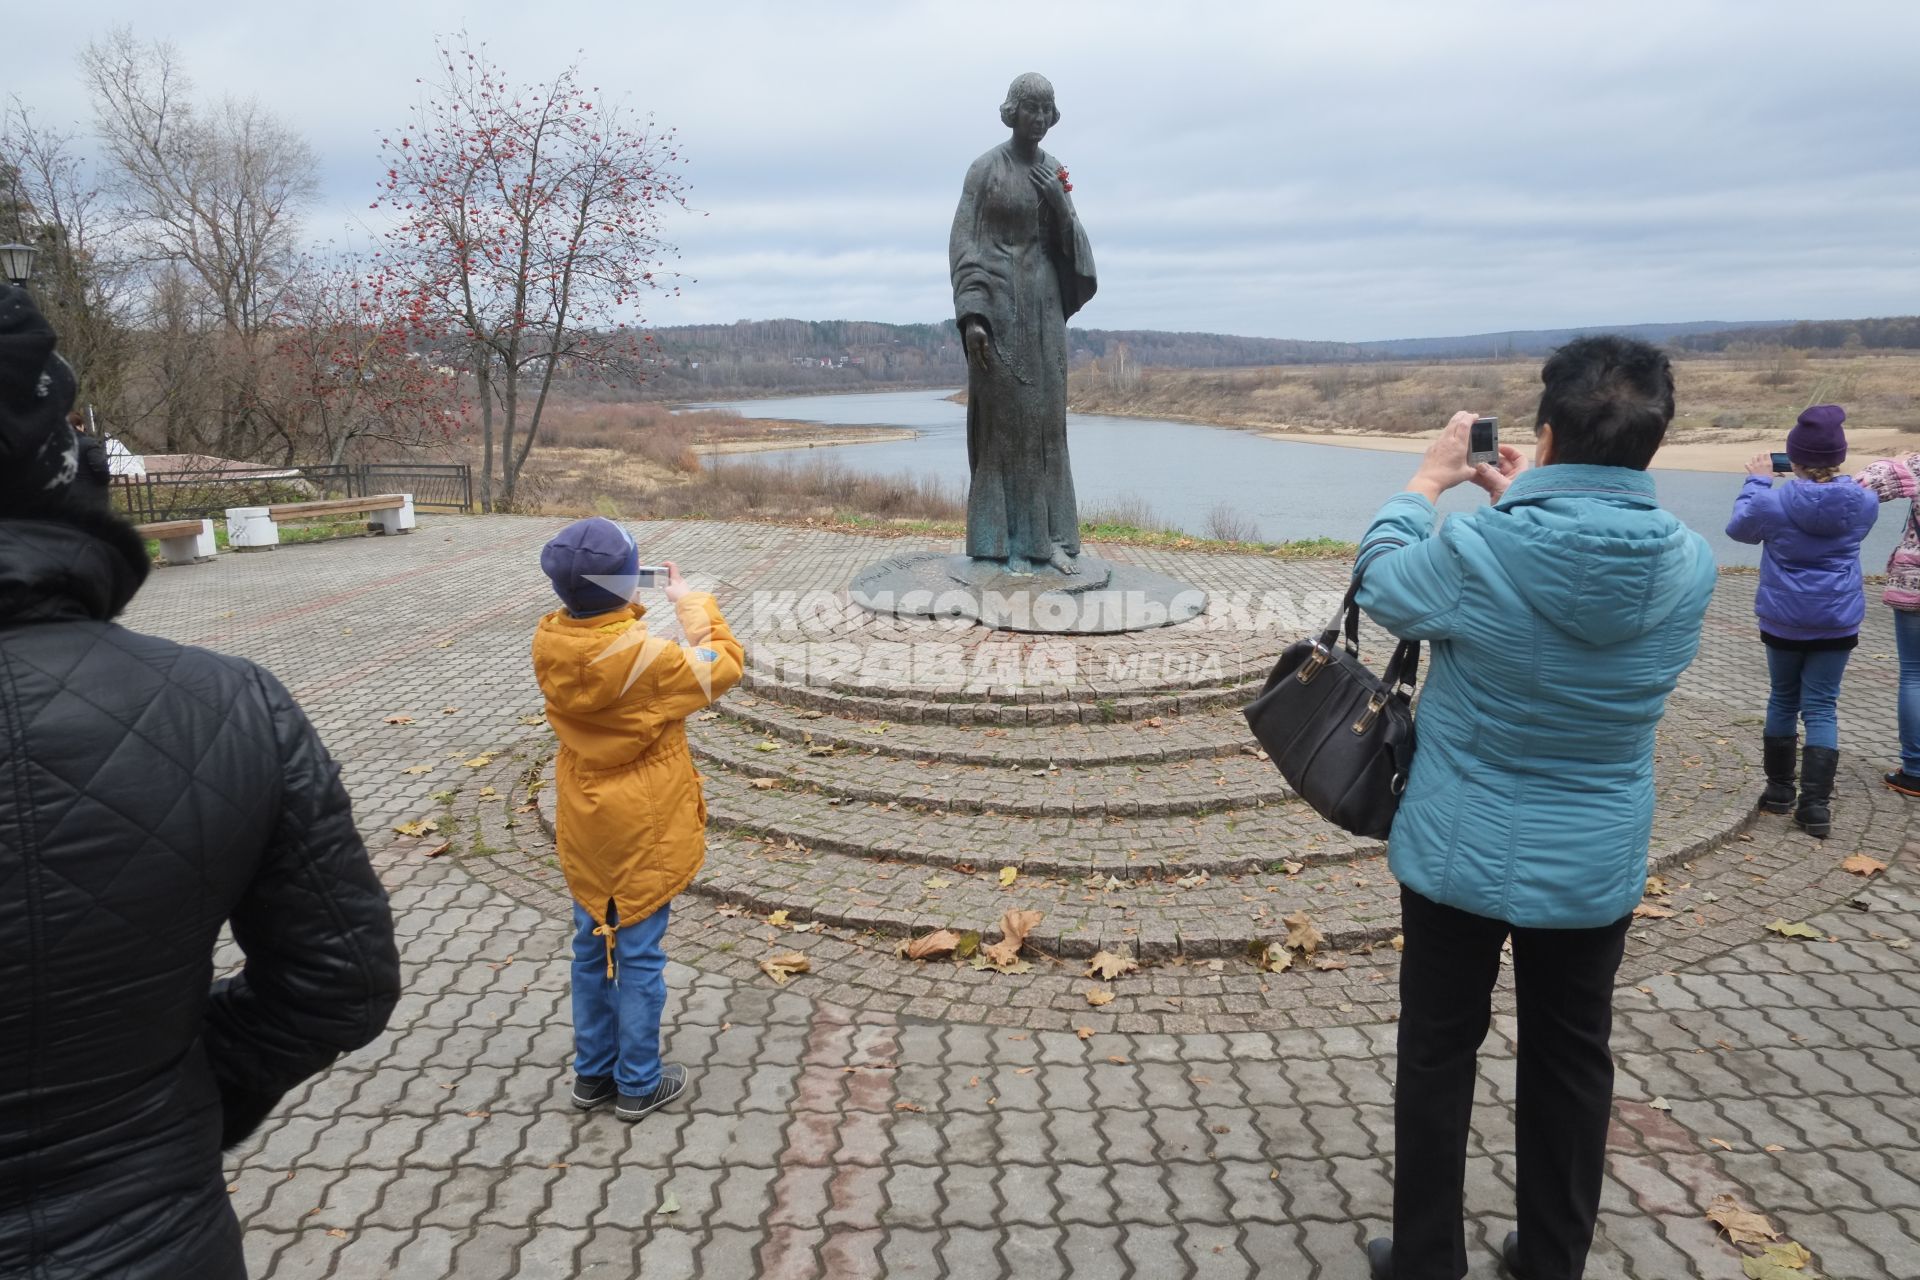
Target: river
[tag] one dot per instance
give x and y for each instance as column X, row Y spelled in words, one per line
column 1182, row 470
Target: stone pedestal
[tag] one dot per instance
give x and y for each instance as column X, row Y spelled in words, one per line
column 1101, row 599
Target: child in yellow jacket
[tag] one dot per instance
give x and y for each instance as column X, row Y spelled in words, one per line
column 630, row 822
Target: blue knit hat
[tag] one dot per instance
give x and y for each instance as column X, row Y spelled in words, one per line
column 1817, row 440
column 594, row 566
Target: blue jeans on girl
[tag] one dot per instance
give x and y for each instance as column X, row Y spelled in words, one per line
column 1806, row 686
column 616, row 1021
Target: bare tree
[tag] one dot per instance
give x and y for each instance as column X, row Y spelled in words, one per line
column 49, row 200
column 528, row 234
column 217, row 192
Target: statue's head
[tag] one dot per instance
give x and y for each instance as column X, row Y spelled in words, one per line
column 1029, row 108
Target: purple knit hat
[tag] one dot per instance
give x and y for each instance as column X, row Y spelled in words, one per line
column 1817, row 440
column 594, row 566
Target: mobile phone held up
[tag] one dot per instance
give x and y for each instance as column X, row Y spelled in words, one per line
column 1483, row 442
column 1782, row 464
column 652, row 575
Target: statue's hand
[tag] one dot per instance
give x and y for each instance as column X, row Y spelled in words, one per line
column 1047, row 182
column 979, row 350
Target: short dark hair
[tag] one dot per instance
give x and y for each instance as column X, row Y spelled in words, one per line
column 1608, row 399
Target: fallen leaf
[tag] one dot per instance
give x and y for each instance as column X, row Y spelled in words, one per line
column 399, row 719
column 1742, row 1226
column 1773, row 1147
column 438, row 849
column 778, row 919
column 1097, row 996
column 813, row 715
column 336, row 1231
column 783, row 966
column 936, row 882
column 1008, row 875
column 1789, row 1255
column 811, row 926
column 1399, row 942
column 1862, row 865
column 764, row 784
column 1107, row 965
column 908, row 1106
column 969, row 945
column 478, row 762
column 533, row 719
column 668, row 1204
column 419, row 827
column 1116, row 1060
column 1661, row 1104
column 418, row 769
column 1193, row 881
column 938, row 943
column 488, row 791
column 1085, row 1033
column 1014, row 928
column 1648, row 911
column 1301, row 934
column 1798, row 929
column 1016, row 965
column 447, row 711
column 1325, row 963
column 1721, row 1143
column 765, row 745
column 1657, row 887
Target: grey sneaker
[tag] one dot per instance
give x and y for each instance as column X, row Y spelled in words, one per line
column 632, row 1107
column 590, row 1091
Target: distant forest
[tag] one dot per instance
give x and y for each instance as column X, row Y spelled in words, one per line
column 763, row 357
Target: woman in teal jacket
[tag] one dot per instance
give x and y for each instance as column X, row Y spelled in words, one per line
column 1560, row 618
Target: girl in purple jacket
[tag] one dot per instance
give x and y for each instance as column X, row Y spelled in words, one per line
column 1810, row 603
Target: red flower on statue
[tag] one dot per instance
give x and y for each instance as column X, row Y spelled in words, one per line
column 1063, row 179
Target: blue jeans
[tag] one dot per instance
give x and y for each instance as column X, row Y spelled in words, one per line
column 1906, row 639
column 1806, row 686
column 616, row 1021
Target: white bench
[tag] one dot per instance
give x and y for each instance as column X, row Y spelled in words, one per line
column 250, row 528
column 181, row 541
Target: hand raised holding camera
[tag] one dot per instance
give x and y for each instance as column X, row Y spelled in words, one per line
column 1494, row 477
column 1761, row 464
column 676, row 585
column 1444, row 464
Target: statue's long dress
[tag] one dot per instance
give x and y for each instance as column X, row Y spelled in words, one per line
column 1023, row 276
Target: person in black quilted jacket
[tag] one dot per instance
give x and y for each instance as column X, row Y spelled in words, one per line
column 150, row 794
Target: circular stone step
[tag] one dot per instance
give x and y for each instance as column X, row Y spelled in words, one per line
column 1203, row 735
column 1000, row 712
column 852, row 770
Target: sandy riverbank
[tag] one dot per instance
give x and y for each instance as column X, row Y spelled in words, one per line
column 808, row 436
column 1728, row 454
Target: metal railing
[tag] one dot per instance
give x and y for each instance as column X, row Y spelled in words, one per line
column 194, row 495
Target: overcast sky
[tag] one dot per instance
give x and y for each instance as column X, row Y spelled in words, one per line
column 1340, row 171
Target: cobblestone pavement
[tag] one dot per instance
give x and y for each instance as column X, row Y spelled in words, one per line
column 879, row 1118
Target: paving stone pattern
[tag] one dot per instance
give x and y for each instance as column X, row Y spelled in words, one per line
column 882, row 1118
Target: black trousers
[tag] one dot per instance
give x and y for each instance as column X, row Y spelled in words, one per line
column 1564, row 980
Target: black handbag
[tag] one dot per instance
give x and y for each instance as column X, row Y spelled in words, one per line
column 1340, row 735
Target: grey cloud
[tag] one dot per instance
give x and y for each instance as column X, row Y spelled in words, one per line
column 1352, row 171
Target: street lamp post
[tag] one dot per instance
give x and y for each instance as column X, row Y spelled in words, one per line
column 16, row 262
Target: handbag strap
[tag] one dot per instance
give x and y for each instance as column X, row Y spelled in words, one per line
column 1403, row 669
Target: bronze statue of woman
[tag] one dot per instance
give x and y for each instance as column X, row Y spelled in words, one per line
column 1021, row 266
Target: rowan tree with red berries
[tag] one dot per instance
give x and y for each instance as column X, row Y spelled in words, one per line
column 527, row 236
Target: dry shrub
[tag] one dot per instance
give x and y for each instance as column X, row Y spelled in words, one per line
column 1226, row 523
column 1129, row 510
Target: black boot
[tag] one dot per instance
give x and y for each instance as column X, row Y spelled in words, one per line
column 1510, row 1247
column 1380, row 1258
column 1817, row 767
column 1776, row 754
